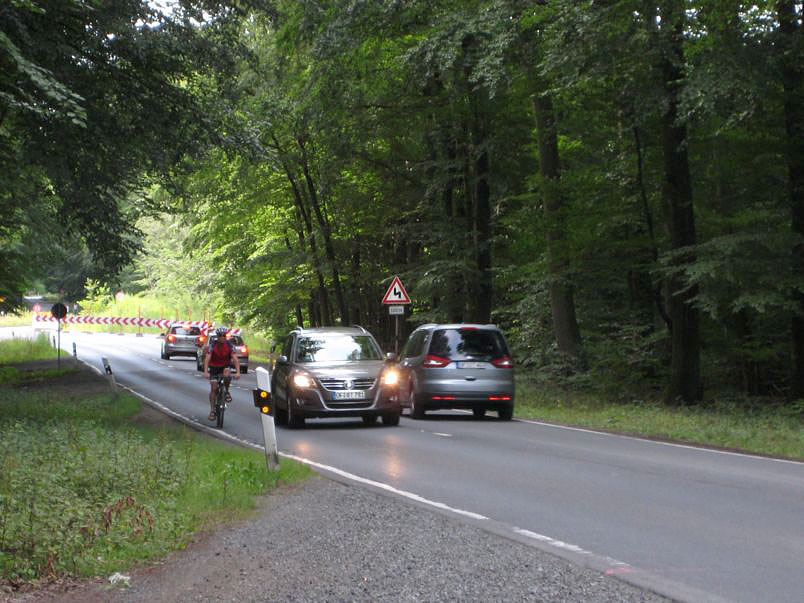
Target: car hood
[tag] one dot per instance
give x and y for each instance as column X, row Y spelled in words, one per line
column 342, row 370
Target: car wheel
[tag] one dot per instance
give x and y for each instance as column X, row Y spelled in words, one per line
column 294, row 418
column 391, row 419
column 162, row 354
column 478, row 413
column 416, row 409
column 198, row 366
column 506, row 413
column 244, row 369
column 369, row 419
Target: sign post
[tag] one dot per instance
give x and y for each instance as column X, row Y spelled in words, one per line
column 395, row 298
column 59, row 311
column 263, row 401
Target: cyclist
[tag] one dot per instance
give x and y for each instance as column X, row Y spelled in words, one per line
column 219, row 357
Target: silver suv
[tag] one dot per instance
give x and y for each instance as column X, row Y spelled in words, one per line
column 334, row 372
column 457, row 366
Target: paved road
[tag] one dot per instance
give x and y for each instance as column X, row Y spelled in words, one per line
column 691, row 523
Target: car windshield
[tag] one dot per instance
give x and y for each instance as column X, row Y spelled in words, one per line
column 467, row 344
column 186, row 331
column 337, row 348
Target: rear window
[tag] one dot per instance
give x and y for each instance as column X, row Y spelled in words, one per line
column 234, row 339
column 468, row 344
column 337, row 349
column 185, row 331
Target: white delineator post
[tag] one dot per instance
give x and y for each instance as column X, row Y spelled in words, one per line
column 267, row 418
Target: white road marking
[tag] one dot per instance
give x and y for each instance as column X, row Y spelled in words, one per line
column 443, row 435
column 671, row 444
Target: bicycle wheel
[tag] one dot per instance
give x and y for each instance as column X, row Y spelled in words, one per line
column 220, row 406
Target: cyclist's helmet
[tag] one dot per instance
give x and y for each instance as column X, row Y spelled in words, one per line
column 221, row 331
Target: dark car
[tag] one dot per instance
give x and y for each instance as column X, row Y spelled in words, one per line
column 180, row 340
column 465, row 366
column 334, row 372
column 240, row 348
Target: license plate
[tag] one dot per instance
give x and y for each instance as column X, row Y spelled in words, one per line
column 349, row 395
column 471, row 365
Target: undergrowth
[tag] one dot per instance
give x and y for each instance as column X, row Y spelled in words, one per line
column 83, row 491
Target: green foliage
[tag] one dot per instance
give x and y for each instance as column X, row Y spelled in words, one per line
column 23, row 349
column 83, row 493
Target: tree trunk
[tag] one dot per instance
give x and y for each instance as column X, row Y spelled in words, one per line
column 685, row 380
column 482, row 226
column 793, row 86
column 326, row 232
column 299, row 316
column 562, row 299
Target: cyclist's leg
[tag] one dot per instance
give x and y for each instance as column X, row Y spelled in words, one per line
column 213, row 391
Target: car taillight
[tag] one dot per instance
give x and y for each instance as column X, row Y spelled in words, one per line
column 503, row 362
column 244, row 349
column 200, row 340
column 171, row 338
column 431, row 361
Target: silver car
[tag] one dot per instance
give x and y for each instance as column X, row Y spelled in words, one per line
column 180, row 340
column 334, row 372
column 465, row 366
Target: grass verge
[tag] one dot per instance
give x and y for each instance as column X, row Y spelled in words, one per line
column 85, row 491
column 769, row 429
column 20, row 349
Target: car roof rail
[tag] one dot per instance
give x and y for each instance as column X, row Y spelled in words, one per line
column 361, row 327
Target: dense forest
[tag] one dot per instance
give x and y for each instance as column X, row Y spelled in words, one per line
column 618, row 184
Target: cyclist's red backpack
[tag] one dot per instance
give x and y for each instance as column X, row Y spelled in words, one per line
column 220, row 352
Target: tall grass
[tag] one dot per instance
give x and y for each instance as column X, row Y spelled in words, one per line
column 20, row 349
column 22, row 319
column 86, row 491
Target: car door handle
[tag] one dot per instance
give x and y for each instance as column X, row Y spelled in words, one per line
column 471, row 378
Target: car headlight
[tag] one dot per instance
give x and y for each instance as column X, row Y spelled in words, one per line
column 302, row 380
column 390, row 377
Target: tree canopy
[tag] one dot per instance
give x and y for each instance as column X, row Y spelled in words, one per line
column 617, row 183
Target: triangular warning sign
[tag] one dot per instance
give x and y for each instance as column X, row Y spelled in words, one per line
column 396, row 293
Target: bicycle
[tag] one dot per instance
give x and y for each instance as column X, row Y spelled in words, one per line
column 220, row 398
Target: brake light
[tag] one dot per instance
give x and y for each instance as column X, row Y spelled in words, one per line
column 171, row 338
column 499, row 398
column 503, row 362
column 200, row 340
column 431, row 361
column 443, row 397
column 244, row 349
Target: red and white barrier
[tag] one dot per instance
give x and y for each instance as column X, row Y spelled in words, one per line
column 40, row 319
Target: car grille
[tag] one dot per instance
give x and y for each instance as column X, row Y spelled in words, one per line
column 349, row 404
column 335, row 385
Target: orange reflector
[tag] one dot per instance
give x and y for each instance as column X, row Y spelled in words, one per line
column 499, row 397
column 443, row 397
column 265, row 410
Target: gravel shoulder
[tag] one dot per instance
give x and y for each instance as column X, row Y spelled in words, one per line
column 324, row 540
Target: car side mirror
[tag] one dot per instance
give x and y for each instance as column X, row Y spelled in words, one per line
column 161, row 334
column 391, row 357
column 282, row 360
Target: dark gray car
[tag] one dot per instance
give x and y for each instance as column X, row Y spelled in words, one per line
column 464, row 366
column 334, row 372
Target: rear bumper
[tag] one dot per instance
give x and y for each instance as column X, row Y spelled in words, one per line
column 464, row 400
